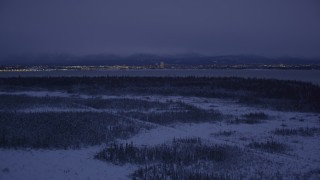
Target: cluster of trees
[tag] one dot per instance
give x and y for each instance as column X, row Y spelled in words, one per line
column 173, row 172
column 298, row 131
column 186, row 158
column 62, row 129
column 179, row 152
column 191, row 158
column 293, row 95
column 225, row 133
column 269, row 146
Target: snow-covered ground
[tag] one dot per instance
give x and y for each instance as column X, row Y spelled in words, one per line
column 302, row 157
column 58, row 164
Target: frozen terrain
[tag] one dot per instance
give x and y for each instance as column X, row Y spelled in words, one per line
column 301, row 159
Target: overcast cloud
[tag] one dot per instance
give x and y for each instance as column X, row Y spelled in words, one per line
column 214, row 27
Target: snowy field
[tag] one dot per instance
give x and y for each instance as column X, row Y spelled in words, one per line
column 300, row 159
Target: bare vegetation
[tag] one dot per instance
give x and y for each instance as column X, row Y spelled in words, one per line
column 180, row 159
column 180, row 151
column 92, row 118
column 269, row 146
column 109, row 119
column 62, row 130
column 298, row 131
column 225, row 133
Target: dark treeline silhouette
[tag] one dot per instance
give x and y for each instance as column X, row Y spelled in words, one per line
column 298, row 131
column 186, row 158
column 283, row 95
column 256, row 115
column 269, row 146
column 180, row 151
column 169, row 171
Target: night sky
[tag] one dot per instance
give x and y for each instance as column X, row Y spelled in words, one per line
column 270, row 28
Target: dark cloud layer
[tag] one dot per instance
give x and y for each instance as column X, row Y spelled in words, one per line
column 215, row 27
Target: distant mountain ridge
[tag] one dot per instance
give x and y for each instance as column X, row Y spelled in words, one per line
column 150, row 59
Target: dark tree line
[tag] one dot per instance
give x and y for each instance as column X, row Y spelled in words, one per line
column 184, row 158
column 256, row 115
column 298, row 131
column 179, row 152
column 286, row 95
column 170, row 171
column 270, row 146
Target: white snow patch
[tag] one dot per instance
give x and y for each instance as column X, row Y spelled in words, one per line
column 58, row 164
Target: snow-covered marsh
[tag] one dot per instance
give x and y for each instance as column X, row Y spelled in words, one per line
column 301, row 159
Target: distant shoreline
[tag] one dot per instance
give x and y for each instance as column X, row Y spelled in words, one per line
column 297, row 75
